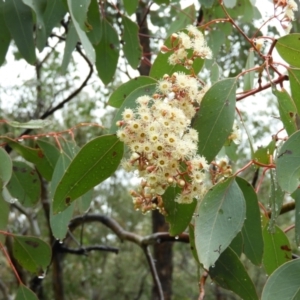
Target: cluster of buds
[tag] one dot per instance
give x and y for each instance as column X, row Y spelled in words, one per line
column 288, row 9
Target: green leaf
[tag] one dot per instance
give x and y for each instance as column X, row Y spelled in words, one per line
column 215, row 117
column 35, row 156
column 94, row 23
column 214, row 73
column 4, row 213
column 231, row 274
column 294, row 77
column 129, row 102
column 18, row 18
column 288, row 48
column 32, row 124
column 262, row 154
column 207, row 3
column 5, row 168
column 107, row 52
column 219, row 218
column 51, row 153
column 130, row 6
column 249, row 76
column 95, row 162
column 120, row 94
column 78, row 11
column 71, row 41
column 251, row 231
column 38, row 6
column 54, row 13
column 277, row 249
column 161, row 66
column 216, row 40
column 25, row 184
column 4, row 35
column 161, row 1
column 237, row 244
column 183, row 18
column 276, row 200
column 32, row 253
column 24, row 293
column 192, row 242
column 288, row 164
column 178, row 215
column 287, row 110
column 284, row 283
column 59, row 222
column 296, row 196
column 131, row 43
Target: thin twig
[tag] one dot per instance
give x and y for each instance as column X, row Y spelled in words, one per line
column 202, row 285
column 85, row 250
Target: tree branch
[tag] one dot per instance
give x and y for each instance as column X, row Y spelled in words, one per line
column 85, row 250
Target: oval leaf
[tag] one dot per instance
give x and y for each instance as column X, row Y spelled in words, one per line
column 130, row 6
column 288, row 47
column 4, row 35
column 284, row 283
column 215, row 117
column 94, row 22
column 5, row 168
column 288, row 164
column 230, row 273
column 32, row 253
column 277, row 249
column 249, row 76
column 107, row 52
column 179, row 215
column 95, row 162
column 25, row 184
column 294, row 77
column 4, row 213
column 219, row 218
column 251, row 231
column 131, row 47
column 18, row 18
column 25, row 293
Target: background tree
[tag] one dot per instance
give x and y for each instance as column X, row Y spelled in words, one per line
column 52, row 208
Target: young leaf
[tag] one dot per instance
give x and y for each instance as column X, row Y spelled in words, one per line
column 95, row 162
column 120, row 94
column 262, row 154
column 249, row 76
column 5, row 168
column 38, row 6
column 93, row 18
column 294, row 77
column 288, row 48
column 32, row 124
column 178, row 215
column 130, row 102
column 32, row 253
column 251, row 231
column 131, row 47
column 107, row 52
column 230, row 273
column 287, row 110
column 59, row 222
column 219, row 218
column 25, row 184
column 18, row 19
column 24, row 293
column 277, row 249
column 284, row 283
column 78, row 11
column 215, row 117
column 288, row 164
column 4, row 35
column 130, row 6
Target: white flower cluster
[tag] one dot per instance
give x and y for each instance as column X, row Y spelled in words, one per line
column 162, row 144
column 182, row 43
column 289, row 7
